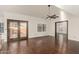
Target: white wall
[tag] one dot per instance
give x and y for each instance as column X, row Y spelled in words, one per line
column 73, row 23
column 32, row 24
column 74, row 28
column 73, row 31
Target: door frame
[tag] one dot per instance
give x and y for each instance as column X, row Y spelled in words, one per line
column 8, row 20
column 56, row 40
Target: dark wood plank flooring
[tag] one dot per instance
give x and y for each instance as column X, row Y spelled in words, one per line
column 41, row 45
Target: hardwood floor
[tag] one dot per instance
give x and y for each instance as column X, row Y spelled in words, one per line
column 73, row 47
column 41, row 45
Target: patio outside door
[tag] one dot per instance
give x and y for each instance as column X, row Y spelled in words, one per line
column 17, row 30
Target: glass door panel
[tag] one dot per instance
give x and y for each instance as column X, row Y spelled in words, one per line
column 23, row 30
column 13, row 30
column 62, row 28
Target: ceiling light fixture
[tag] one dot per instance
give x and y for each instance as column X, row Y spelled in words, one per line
column 49, row 16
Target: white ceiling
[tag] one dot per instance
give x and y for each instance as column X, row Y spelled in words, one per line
column 73, row 9
column 38, row 10
column 32, row 10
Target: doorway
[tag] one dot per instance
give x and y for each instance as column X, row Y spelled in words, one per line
column 61, row 36
column 17, row 30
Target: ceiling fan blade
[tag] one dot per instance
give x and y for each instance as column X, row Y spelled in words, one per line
column 57, row 16
column 47, row 17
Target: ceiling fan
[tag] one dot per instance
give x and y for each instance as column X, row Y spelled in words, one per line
column 49, row 16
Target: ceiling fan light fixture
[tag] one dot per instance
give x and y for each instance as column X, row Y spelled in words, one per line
column 49, row 16
column 48, row 5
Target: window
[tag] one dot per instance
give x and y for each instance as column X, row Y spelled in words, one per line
column 41, row 27
column 1, row 27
